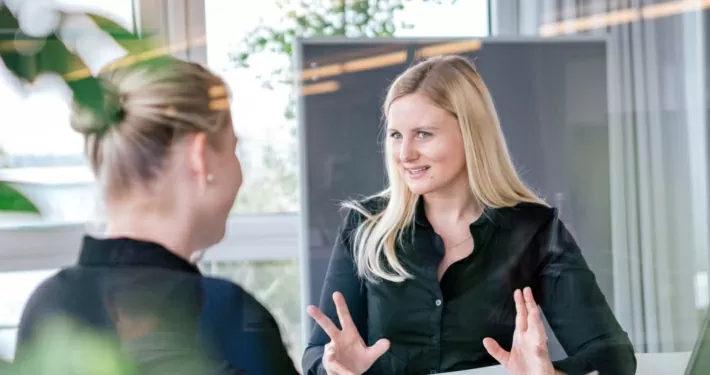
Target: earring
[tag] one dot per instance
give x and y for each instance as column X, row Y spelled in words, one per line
column 210, row 177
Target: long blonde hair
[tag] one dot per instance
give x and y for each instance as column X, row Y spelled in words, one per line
column 453, row 84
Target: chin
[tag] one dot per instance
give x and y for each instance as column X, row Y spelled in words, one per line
column 420, row 189
column 215, row 236
column 219, row 236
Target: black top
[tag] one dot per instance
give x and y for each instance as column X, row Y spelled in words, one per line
column 438, row 326
column 137, row 294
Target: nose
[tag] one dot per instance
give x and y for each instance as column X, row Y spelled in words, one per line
column 406, row 151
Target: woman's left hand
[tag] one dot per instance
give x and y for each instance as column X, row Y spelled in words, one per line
column 528, row 355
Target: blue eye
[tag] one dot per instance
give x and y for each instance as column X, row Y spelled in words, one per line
column 396, row 135
column 423, row 134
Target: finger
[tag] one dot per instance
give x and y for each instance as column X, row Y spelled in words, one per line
column 498, row 353
column 378, row 349
column 346, row 321
column 528, row 296
column 330, row 363
column 324, row 322
column 534, row 320
column 521, row 316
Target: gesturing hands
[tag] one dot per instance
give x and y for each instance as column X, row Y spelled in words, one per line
column 346, row 353
column 528, row 355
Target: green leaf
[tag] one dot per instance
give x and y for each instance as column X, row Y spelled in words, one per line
column 133, row 42
column 13, row 201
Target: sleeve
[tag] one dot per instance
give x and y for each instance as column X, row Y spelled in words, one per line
column 341, row 276
column 577, row 311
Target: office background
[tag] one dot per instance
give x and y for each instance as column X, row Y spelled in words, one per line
column 637, row 194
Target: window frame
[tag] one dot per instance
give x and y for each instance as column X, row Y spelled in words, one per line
column 255, row 237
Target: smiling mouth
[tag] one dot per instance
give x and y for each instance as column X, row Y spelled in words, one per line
column 416, row 171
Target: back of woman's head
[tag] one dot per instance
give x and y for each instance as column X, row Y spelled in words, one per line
column 149, row 106
column 452, row 84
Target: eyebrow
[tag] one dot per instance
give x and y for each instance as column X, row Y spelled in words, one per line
column 431, row 127
column 417, row 129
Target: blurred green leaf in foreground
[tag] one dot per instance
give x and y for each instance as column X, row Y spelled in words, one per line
column 65, row 348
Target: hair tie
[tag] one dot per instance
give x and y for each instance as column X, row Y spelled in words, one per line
column 114, row 112
column 118, row 112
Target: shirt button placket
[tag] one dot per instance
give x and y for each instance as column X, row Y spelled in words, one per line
column 435, row 339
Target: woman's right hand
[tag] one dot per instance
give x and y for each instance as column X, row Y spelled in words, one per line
column 346, row 353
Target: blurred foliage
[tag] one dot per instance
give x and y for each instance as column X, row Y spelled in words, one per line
column 307, row 19
column 66, row 348
column 27, row 57
column 277, row 190
column 11, row 200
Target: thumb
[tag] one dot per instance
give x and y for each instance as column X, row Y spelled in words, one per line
column 378, row 349
column 494, row 349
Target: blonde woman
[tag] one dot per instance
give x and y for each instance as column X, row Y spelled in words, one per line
column 164, row 153
column 447, row 269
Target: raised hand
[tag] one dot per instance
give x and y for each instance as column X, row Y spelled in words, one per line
column 528, row 355
column 346, row 353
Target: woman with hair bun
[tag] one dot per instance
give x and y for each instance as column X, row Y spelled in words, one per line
column 164, row 154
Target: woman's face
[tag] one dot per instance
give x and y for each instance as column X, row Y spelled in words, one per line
column 426, row 144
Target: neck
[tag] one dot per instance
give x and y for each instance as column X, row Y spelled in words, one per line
column 134, row 221
column 453, row 205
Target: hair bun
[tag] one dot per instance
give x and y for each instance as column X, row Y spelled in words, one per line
column 88, row 121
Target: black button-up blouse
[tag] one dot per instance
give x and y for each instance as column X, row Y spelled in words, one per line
column 438, row 326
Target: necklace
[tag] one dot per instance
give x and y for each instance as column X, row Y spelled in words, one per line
column 461, row 243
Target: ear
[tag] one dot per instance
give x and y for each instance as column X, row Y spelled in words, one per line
column 197, row 157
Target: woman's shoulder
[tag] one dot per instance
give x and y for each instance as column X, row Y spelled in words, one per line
column 219, row 290
column 356, row 211
column 529, row 215
column 359, row 209
column 225, row 302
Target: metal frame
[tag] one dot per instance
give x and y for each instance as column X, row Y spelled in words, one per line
column 488, row 39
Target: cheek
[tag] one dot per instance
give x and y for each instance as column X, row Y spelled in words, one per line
column 440, row 151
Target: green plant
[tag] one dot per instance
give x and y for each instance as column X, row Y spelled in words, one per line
column 305, row 19
column 27, row 57
column 66, row 347
column 13, row 201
